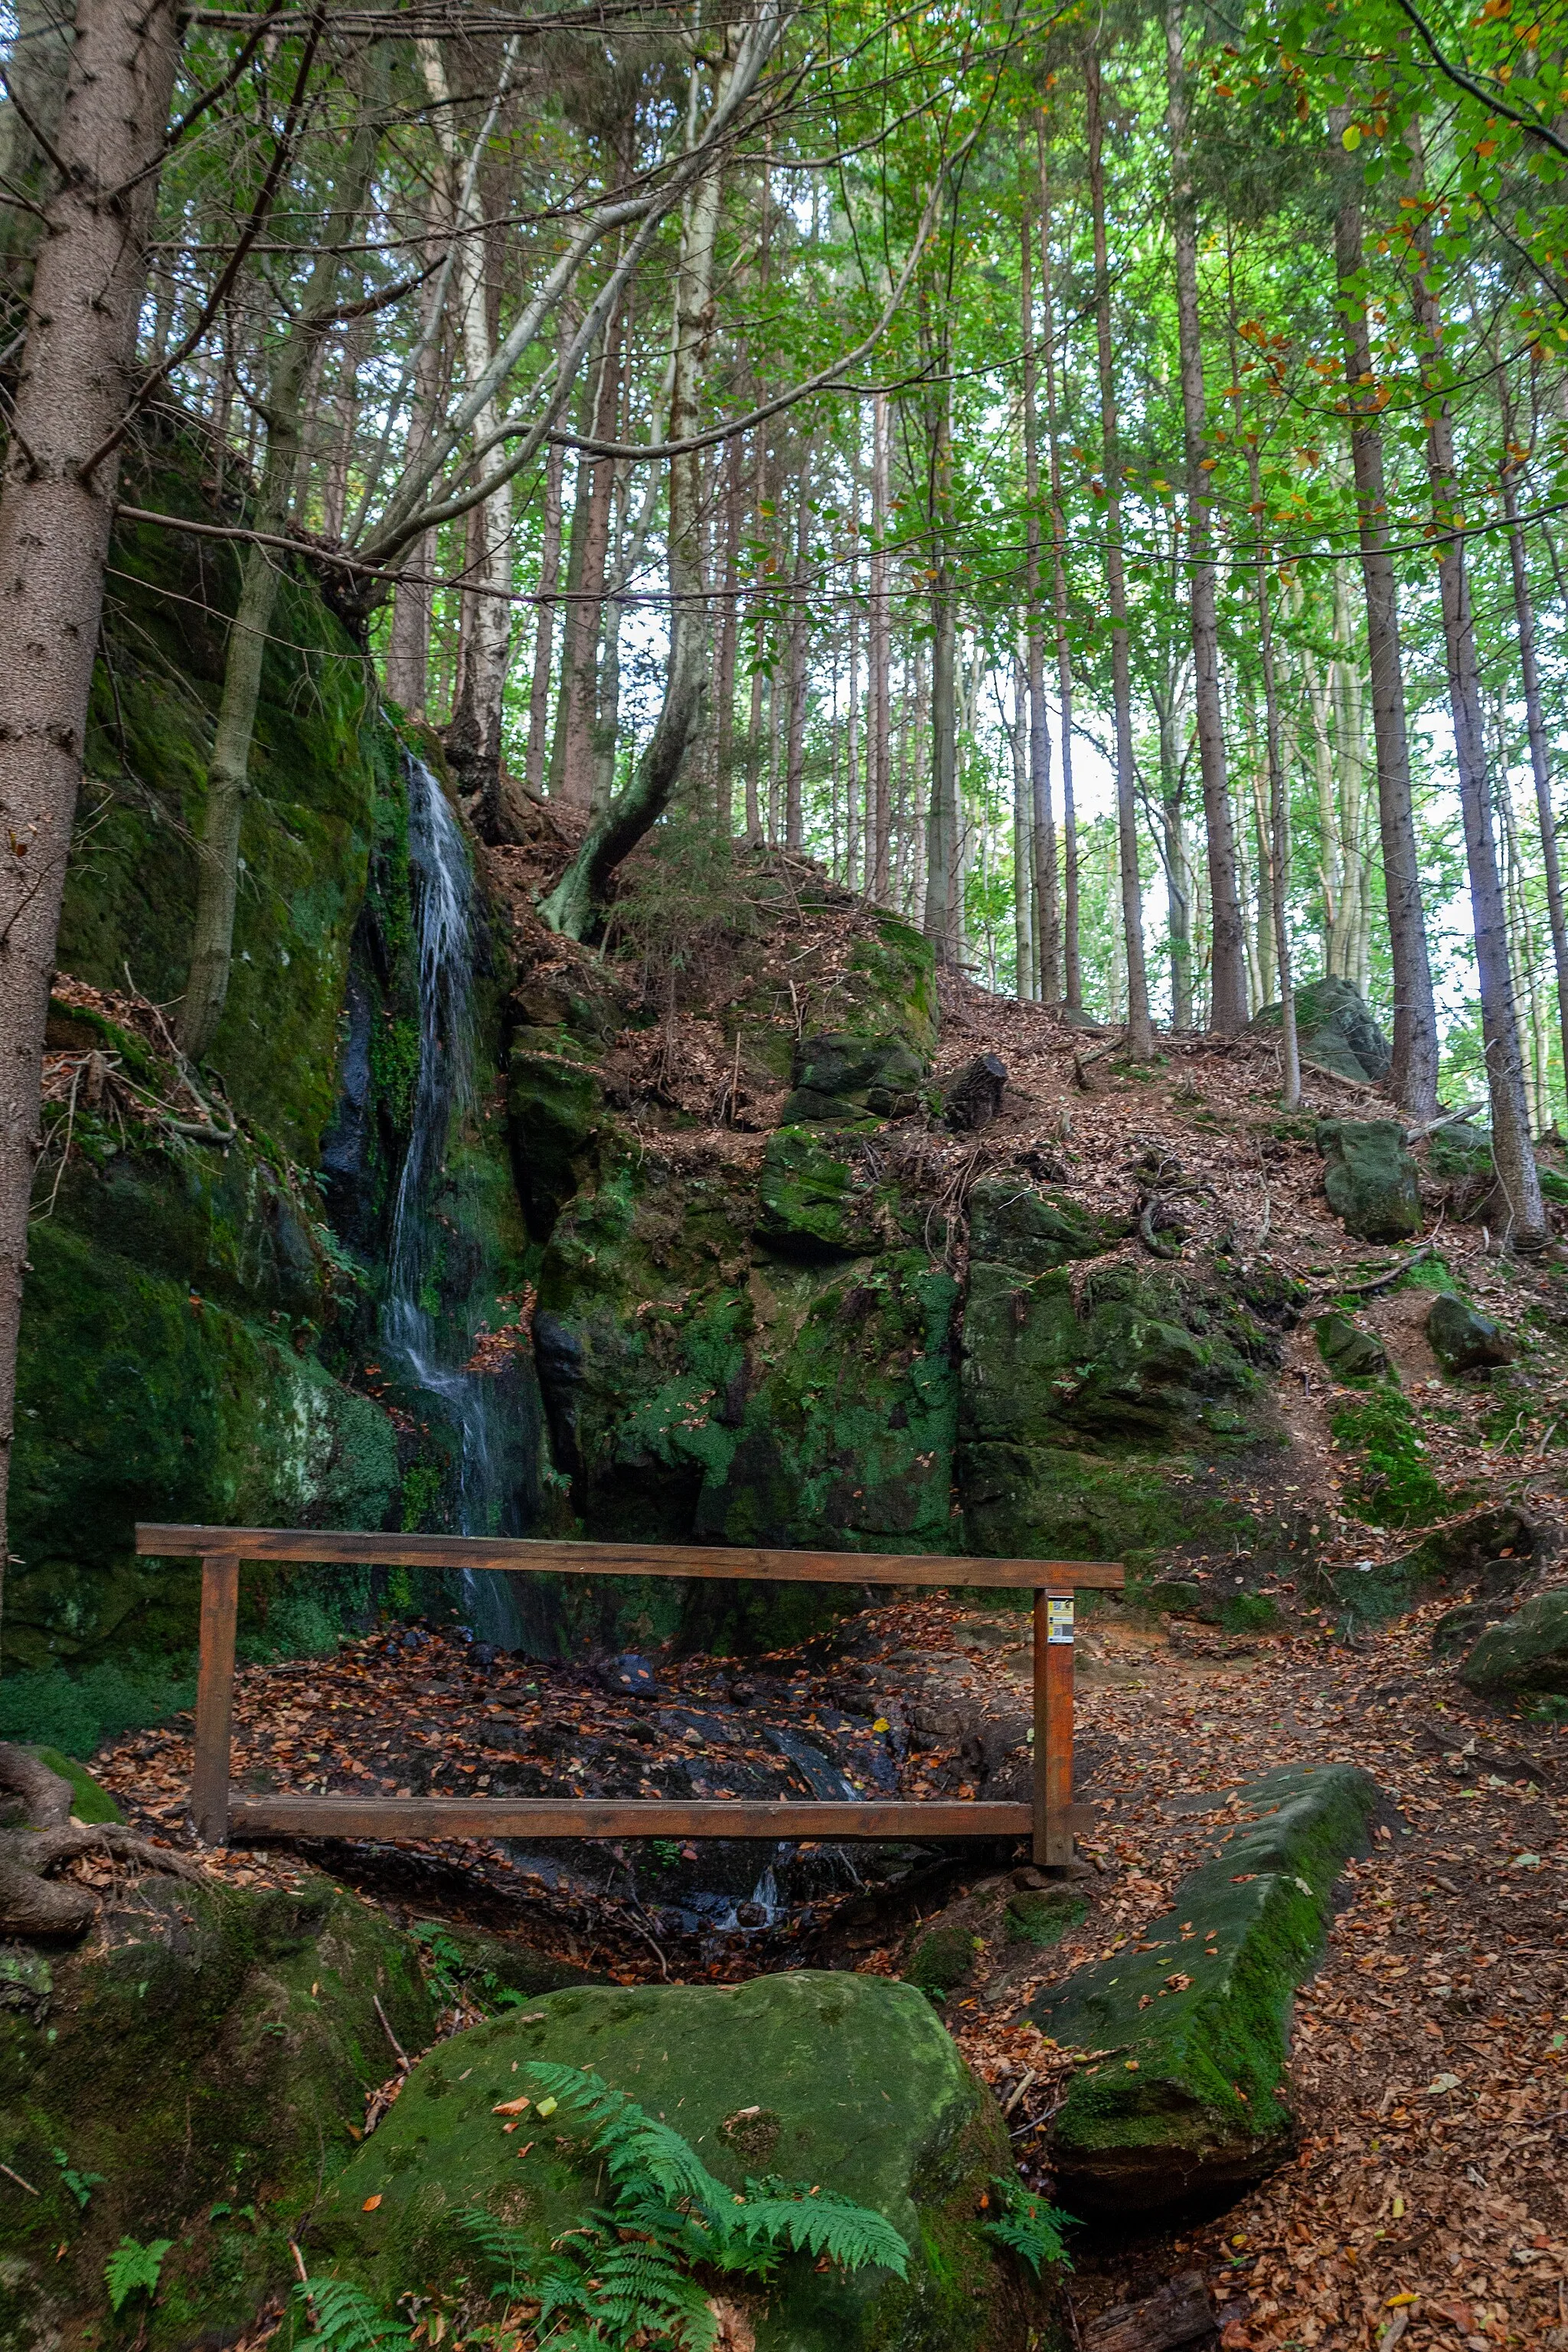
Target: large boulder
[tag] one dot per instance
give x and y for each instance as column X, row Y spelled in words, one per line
column 1371, row 1179
column 841, row 1079
column 1463, row 1338
column 848, row 2083
column 1350, row 1353
column 1335, row 1031
column 1528, row 1652
column 1190, row 2095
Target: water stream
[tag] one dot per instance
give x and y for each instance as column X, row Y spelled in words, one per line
column 431, row 1352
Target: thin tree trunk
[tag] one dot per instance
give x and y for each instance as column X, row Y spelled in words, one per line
column 544, row 624
column 71, row 392
column 799, row 647
column 1140, row 1031
column 1412, row 1077
column 852, row 802
column 1540, row 756
column 729, row 638
column 228, row 770
column 1513, row 1153
column 580, row 674
column 1027, row 984
column 1279, row 814
column 1038, row 867
column 1227, row 970
column 1072, row 965
column 943, row 922
column 878, row 740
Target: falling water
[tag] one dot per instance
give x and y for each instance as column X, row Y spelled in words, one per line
column 434, row 1360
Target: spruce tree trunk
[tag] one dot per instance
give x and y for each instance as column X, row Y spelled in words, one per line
column 799, row 647
column 74, row 384
column 1140, row 1031
column 1039, row 869
column 1513, row 1153
column 878, row 740
column 1228, row 961
column 1072, row 966
column 1278, row 812
column 729, row 629
column 1026, row 981
column 1540, row 755
column 1412, row 1077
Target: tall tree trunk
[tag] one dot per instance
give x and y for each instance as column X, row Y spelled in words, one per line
column 879, row 735
column 1027, row 984
column 944, row 921
column 729, row 638
column 585, row 626
column 1513, row 1153
column 1072, row 965
column 1038, row 868
column 1140, row 1031
column 1278, row 812
column 228, row 770
column 544, row 622
column 1227, row 965
column 408, row 637
column 1178, row 887
column 71, row 394
column 1540, row 755
column 1413, row 1078
column 799, row 646
column 576, row 905
column 852, row 801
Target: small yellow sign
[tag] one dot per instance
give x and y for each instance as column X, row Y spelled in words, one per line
column 1058, row 1620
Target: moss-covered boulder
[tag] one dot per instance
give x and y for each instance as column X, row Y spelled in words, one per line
column 192, row 2074
column 1463, row 1338
column 840, row 1078
column 806, row 1201
column 1528, row 1652
column 1189, row 2094
column 1350, row 1353
column 1370, row 1177
column 1335, row 1030
column 845, row 2082
column 554, row 1112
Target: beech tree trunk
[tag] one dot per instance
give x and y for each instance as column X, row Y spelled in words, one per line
column 72, row 389
column 544, row 624
column 1227, row 960
column 1140, row 1031
column 1413, row 1076
column 1513, row 1152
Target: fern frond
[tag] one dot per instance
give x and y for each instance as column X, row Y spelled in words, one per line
column 348, row 2320
column 1029, row 2228
column 849, row 2234
column 635, row 2145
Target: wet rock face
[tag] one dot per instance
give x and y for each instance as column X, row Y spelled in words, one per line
column 1194, row 2018
column 848, row 2082
column 1371, row 1180
column 1335, row 1030
column 1528, row 1652
column 1463, row 1338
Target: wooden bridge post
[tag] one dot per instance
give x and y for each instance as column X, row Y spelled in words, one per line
column 215, row 1697
column 1053, row 1728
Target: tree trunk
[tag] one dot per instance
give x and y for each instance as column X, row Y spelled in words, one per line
column 585, row 625
column 944, row 921
column 1512, row 1149
column 544, row 624
column 576, row 905
column 1227, row 964
column 1140, row 1031
column 799, row 647
column 1412, row 1077
column 228, row 770
column 1279, row 814
column 879, row 738
column 1039, row 868
column 1540, row 756
column 1072, row 967
column 729, row 638
column 1027, row 980
column 71, row 392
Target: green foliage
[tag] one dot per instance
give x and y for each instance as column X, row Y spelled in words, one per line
column 347, row 2319
column 81, row 2184
column 1029, row 2228
column 1393, row 1485
column 628, row 2268
column 133, row 2269
column 51, row 1708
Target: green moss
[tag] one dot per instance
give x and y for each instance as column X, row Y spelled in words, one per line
column 90, row 1802
column 1043, row 1917
column 870, row 2098
column 46, row 1706
column 1191, row 2093
column 207, row 2050
column 1391, row 1482
column 1528, row 1652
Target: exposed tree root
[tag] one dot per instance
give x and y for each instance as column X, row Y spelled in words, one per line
column 38, row 1834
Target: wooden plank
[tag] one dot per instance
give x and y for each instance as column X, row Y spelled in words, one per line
column 775, row 1567
column 603, row 1817
column 215, row 1699
column 1053, row 1806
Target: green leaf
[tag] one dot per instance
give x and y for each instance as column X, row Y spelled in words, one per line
column 133, row 2269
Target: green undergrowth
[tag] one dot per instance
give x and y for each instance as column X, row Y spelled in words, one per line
column 47, row 1707
column 1391, row 1483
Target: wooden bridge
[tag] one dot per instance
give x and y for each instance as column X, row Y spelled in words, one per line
column 1049, row 1820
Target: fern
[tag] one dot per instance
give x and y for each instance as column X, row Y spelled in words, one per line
column 134, row 2268
column 347, row 2319
column 626, row 2271
column 1029, row 2228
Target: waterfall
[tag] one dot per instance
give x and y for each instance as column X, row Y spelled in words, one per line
column 412, row 1335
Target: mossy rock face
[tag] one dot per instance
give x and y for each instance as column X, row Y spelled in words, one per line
column 1372, row 1180
column 1351, row 1354
column 205, row 2049
column 1080, row 1393
column 863, row 2091
column 90, row 1801
column 1463, row 1338
column 1190, row 2095
column 840, row 1078
column 554, row 1112
column 139, row 1399
column 1528, row 1652
column 1335, row 1030
column 1389, row 1480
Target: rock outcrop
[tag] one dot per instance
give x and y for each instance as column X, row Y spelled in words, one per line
column 1528, row 1652
column 1371, row 1179
column 1335, row 1031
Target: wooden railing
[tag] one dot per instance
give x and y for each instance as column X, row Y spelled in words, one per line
column 1049, row 1820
